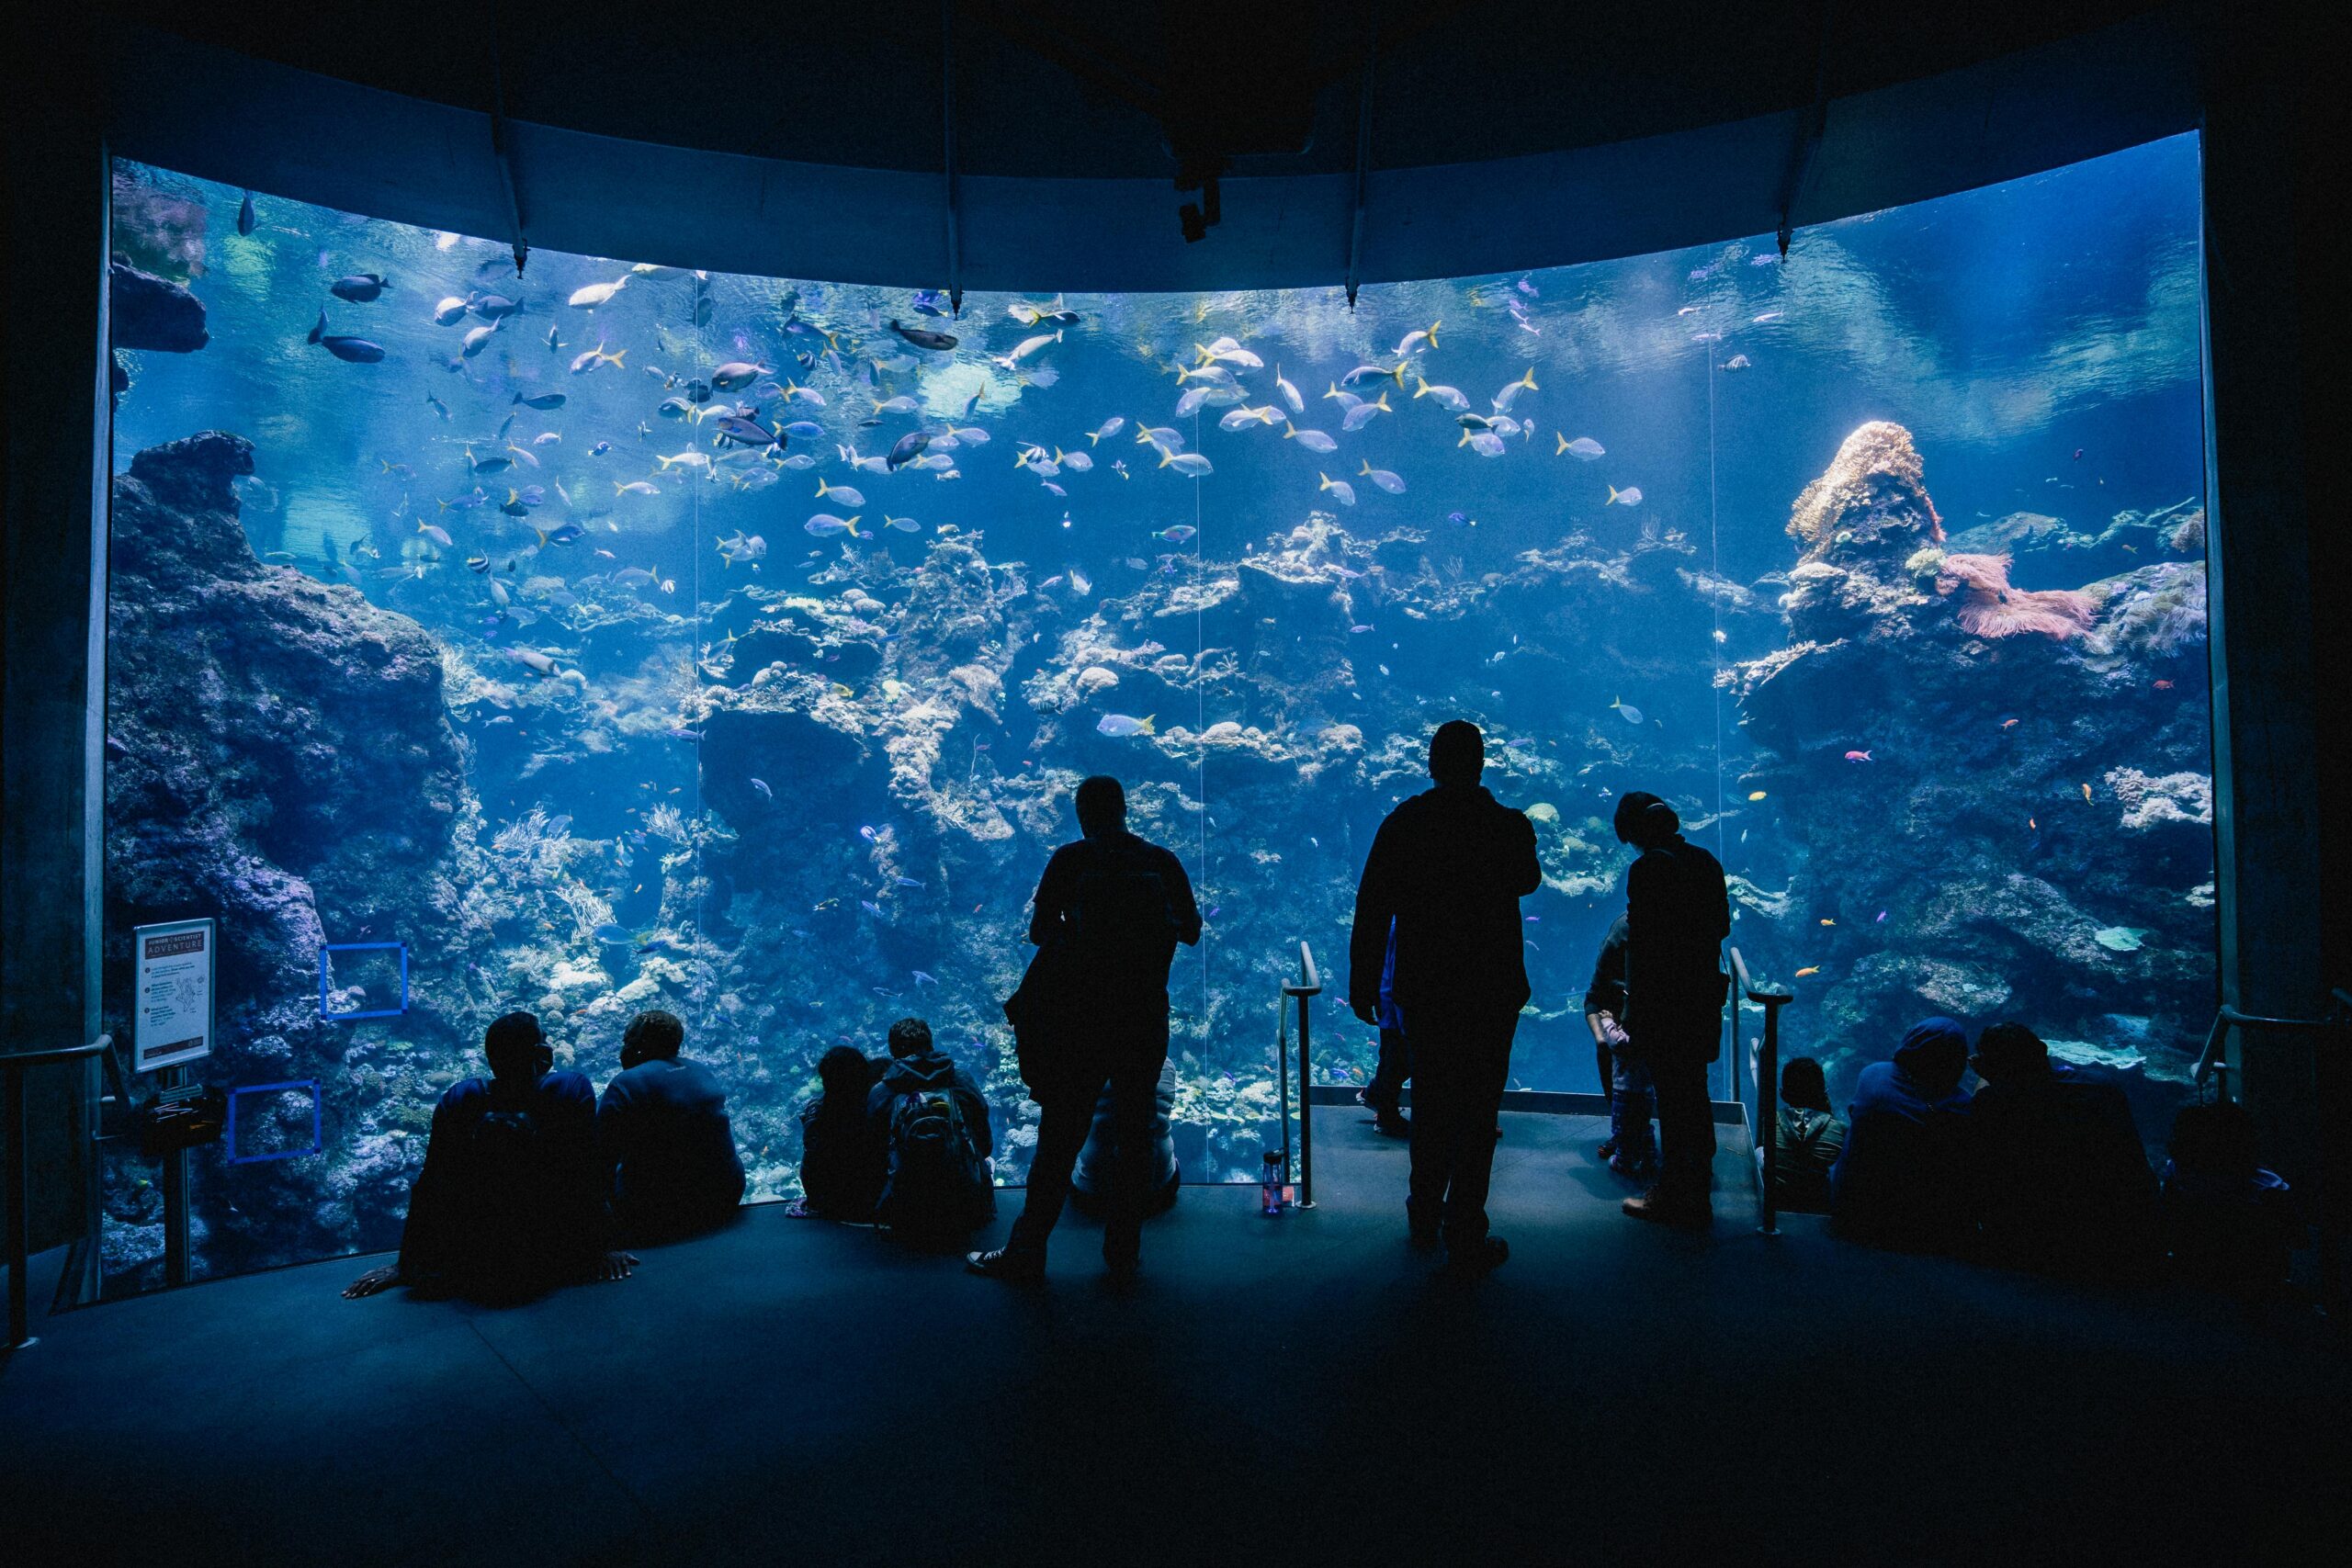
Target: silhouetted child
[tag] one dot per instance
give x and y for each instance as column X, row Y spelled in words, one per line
column 1807, row 1138
column 2226, row 1222
column 840, row 1153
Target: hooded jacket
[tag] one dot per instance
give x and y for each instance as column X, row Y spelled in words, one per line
column 929, row 1073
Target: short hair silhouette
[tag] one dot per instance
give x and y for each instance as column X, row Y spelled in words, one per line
column 842, row 1072
column 1101, row 804
column 1457, row 752
column 654, row 1033
column 1803, row 1084
column 910, row 1037
column 1643, row 820
column 508, row 1040
column 2005, row 1050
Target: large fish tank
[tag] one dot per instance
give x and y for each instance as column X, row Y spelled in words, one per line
column 616, row 636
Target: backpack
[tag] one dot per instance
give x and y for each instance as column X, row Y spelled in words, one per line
column 936, row 1180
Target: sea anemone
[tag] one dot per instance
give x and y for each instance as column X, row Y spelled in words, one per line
column 1990, row 607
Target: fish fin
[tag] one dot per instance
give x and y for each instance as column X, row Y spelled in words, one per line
column 849, row 526
column 1325, row 478
column 620, row 488
column 1367, row 467
column 1399, row 375
column 1563, row 446
column 1613, row 495
column 1433, row 327
column 1147, row 727
column 1422, row 388
column 320, row 329
column 1465, row 437
column 1528, row 380
column 1383, row 404
column 542, row 532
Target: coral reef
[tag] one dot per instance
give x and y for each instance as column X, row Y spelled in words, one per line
column 1965, row 815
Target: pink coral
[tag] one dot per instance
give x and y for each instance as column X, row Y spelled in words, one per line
column 1990, row 607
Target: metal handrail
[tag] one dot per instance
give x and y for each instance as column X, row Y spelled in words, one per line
column 1309, row 984
column 2226, row 1018
column 13, row 1066
column 1764, row 1068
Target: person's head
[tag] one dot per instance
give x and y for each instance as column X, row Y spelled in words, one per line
column 1101, row 805
column 842, row 1072
column 515, row 1047
column 1457, row 752
column 1802, row 1086
column 2215, row 1140
column 2007, row 1051
column 910, row 1037
column 1644, row 820
column 1933, row 1056
column 651, row 1036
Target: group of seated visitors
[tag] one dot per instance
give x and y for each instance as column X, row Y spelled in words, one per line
column 903, row 1141
column 530, row 1181
column 2042, row 1167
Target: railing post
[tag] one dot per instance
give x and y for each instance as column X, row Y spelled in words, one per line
column 1767, row 1086
column 19, row 1222
column 1310, row 983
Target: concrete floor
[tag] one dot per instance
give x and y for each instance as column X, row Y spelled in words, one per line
column 794, row 1393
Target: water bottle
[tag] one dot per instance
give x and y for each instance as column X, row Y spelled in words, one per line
column 1269, row 1184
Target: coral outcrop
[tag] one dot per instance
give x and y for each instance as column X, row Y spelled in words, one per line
column 1970, row 782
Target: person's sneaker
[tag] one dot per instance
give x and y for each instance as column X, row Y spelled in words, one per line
column 1659, row 1208
column 1004, row 1263
column 1634, row 1169
column 1483, row 1259
column 1607, row 1149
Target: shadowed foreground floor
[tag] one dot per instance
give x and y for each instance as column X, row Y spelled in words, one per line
column 793, row 1392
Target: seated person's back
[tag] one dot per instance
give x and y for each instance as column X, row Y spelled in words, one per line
column 662, row 1126
column 510, row 1199
column 2060, row 1177
column 934, row 1124
column 1900, row 1180
column 1806, row 1139
column 841, row 1151
column 2226, row 1222
column 1162, row 1178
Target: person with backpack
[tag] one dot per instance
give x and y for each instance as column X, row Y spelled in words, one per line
column 841, row 1151
column 931, row 1122
column 511, row 1200
column 1091, row 1013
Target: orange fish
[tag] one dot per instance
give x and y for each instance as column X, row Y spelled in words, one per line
column 2008, row 724
column 2033, row 824
column 1809, row 969
column 2087, row 792
column 1828, row 922
column 2163, row 685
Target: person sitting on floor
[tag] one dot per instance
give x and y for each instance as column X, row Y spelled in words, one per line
column 1092, row 1176
column 2227, row 1222
column 1806, row 1139
column 840, row 1153
column 2060, row 1178
column 511, row 1200
column 933, row 1126
column 1900, row 1182
column 661, row 1126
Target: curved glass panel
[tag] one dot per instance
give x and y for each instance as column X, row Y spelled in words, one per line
column 615, row 637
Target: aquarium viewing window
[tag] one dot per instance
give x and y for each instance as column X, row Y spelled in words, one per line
column 615, row 637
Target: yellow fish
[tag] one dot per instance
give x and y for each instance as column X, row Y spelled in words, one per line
column 2087, row 792
column 1809, row 969
column 1828, row 922
column 1755, row 794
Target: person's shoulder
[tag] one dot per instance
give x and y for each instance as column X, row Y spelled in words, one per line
column 568, row 1085
column 464, row 1093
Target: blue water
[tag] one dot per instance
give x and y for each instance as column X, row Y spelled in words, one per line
column 2038, row 340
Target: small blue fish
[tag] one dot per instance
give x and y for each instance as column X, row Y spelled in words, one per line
column 908, row 882
column 872, row 908
column 762, row 785
column 1120, row 726
column 923, row 979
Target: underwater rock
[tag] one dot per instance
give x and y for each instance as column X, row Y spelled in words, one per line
column 1933, row 779
column 144, row 312
column 285, row 766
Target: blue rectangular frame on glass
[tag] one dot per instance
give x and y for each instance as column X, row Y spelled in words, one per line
column 317, row 1122
column 326, row 965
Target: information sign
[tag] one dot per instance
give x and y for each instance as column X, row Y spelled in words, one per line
column 172, row 1008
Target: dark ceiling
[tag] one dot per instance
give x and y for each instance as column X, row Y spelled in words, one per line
column 1054, row 90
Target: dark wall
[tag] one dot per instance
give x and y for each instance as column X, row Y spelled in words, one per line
column 56, row 476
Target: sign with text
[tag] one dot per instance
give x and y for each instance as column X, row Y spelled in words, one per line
column 172, row 1008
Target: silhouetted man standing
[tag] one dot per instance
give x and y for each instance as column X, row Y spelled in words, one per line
column 1107, row 916
column 1449, row 868
column 1677, row 913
